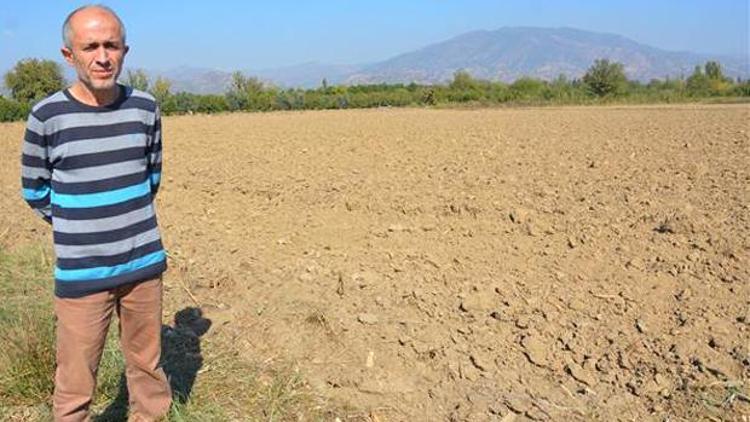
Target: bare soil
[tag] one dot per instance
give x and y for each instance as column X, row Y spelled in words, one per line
column 579, row 263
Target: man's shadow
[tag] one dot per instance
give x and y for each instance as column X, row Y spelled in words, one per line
column 180, row 357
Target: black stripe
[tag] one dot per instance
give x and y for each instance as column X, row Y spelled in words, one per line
column 57, row 108
column 102, row 185
column 33, row 183
column 39, row 203
column 109, row 261
column 101, row 212
column 32, row 161
column 100, row 158
column 83, row 288
column 34, row 138
column 78, row 239
column 96, row 132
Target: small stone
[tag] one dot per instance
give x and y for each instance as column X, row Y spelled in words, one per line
column 683, row 294
column 398, row 228
column 478, row 303
column 367, row 319
column 640, row 326
column 522, row 322
column 580, row 374
column 535, row 350
column 518, row 215
column 635, row 263
column 517, row 403
column 480, row 361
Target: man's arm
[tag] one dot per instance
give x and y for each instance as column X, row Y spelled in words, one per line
column 36, row 170
column 154, row 154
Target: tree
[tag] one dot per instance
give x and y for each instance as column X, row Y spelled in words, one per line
column 161, row 90
column 713, row 71
column 30, row 80
column 605, row 78
column 248, row 93
column 462, row 80
column 137, row 79
column 697, row 82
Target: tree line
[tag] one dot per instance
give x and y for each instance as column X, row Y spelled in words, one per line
column 32, row 79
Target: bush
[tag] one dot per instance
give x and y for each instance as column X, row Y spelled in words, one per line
column 30, row 80
column 13, row 110
column 605, row 78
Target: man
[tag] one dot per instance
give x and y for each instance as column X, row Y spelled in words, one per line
column 91, row 167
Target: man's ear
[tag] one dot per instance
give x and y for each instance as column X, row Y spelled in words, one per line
column 67, row 55
column 125, row 51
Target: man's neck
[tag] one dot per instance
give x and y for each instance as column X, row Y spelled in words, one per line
column 94, row 98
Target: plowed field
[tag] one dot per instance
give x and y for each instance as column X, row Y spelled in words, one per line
column 572, row 263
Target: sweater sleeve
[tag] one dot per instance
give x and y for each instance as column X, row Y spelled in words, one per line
column 154, row 154
column 36, row 170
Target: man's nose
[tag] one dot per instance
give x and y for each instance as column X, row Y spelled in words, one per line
column 102, row 55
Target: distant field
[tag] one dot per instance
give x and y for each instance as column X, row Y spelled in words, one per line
column 579, row 263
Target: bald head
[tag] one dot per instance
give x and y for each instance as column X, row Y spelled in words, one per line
column 67, row 29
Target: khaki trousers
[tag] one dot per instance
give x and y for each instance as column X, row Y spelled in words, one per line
column 82, row 325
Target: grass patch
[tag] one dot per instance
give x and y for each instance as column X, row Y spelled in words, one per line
column 212, row 379
column 27, row 333
column 26, row 328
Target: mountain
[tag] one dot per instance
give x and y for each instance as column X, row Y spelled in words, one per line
column 307, row 75
column 504, row 54
column 509, row 53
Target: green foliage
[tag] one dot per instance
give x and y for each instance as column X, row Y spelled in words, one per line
column 526, row 89
column 713, row 71
column 605, row 78
column 13, row 110
column 31, row 80
column 137, row 79
column 26, row 327
column 604, row 81
column 248, row 93
column 161, row 90
column 463, row 81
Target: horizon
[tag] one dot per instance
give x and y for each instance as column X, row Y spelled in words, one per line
column 289, row 34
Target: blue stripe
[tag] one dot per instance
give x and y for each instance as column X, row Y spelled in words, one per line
column 106, row 272
column 155, row 178
column 36, row 194
column 101, row 199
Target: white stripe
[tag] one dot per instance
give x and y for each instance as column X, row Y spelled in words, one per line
column 34, row 150
column 71, row 120
column 90, row 174
column 104, row 224
column 89, row 146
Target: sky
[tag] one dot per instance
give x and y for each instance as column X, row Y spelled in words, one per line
column 234, row 35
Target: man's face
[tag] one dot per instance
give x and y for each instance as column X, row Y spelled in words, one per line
column 97, row 50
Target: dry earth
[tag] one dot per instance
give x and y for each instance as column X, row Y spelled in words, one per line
column 549, row 264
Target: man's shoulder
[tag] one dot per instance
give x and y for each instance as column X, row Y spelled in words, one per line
column 48, row 106
column 141, row 96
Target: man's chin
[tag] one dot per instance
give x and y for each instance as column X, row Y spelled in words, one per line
column 102, row 85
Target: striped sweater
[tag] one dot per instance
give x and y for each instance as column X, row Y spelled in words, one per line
column 93, row 172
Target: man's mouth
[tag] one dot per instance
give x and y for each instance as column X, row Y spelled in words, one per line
column 102, row 73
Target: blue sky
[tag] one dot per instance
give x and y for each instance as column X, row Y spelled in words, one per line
column 233, row 35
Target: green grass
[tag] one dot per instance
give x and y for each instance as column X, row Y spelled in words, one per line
column 214, row 381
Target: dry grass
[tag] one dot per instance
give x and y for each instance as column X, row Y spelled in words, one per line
column 222, row 386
